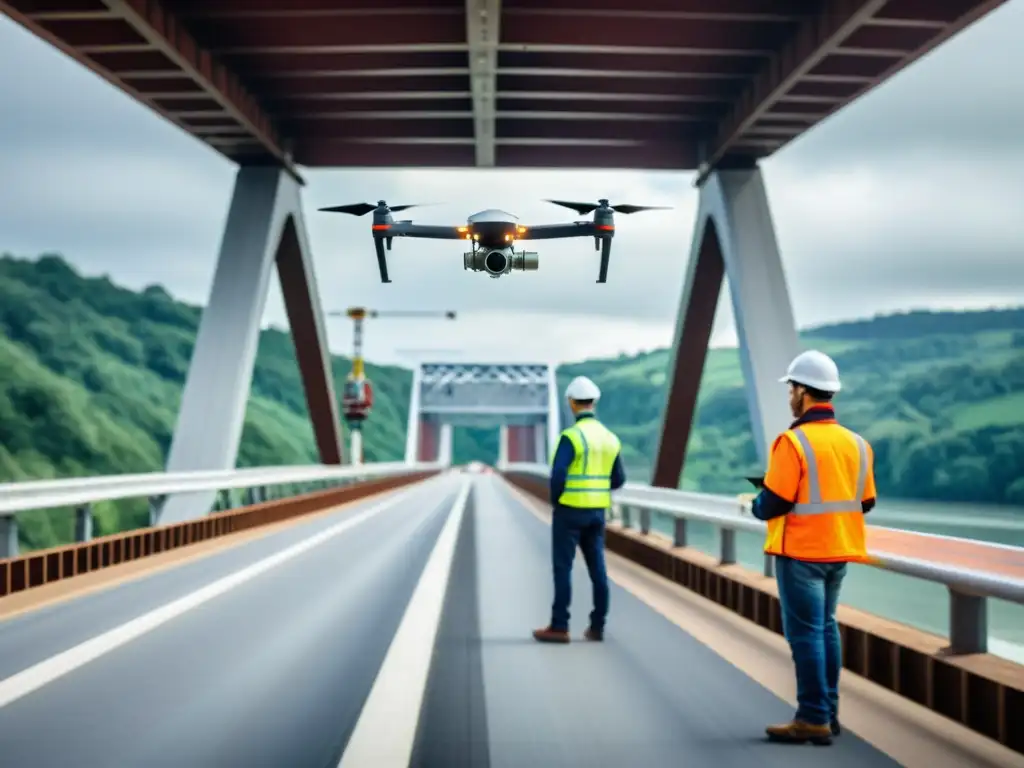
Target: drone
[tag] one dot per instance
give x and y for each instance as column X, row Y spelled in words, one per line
column 492, row 234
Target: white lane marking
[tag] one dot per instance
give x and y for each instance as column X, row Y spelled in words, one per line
column 386, row 729
column 48, row 670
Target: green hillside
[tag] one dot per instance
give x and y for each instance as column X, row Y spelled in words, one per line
column 939, row 395
column 91, row 373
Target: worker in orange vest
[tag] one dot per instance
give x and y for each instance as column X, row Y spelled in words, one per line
column 819, row 485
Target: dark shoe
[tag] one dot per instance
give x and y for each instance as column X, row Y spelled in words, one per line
column 797, row 732
column 549, row 635
column 597, row 635
column 834, row 727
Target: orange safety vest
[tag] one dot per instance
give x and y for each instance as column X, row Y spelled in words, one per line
column 826, row 523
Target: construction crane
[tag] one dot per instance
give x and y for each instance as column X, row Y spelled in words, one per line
column 357, row 397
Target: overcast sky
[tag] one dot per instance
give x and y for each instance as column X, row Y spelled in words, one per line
column 912, row 197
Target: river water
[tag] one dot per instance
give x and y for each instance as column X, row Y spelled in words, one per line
column 919, row 603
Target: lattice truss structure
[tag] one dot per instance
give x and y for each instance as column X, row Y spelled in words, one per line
column 489, row 389
column 519, row 398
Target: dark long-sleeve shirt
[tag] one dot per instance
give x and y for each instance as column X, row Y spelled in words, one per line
column 564, row 456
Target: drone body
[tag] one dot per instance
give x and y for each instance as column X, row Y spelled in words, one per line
column 493, row 233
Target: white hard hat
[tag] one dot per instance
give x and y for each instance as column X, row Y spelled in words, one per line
column 582, row 388
column 813, row 369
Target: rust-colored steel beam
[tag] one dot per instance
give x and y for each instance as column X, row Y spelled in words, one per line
column 866, row 33
column 35, row 569
column 295, row 276
column 311, row 9
column 429, row 433
column 714, row 37
column 259, row 32
column 811, row 42
column 542, row 154
column 444, row 130
column 739, row 11
column 693, row 333
column 167, row 34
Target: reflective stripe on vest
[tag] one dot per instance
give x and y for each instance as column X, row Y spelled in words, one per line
column 814, row 504
column 588, row 482
column 817, row 530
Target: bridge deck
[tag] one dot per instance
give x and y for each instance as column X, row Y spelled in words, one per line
column 276, row 670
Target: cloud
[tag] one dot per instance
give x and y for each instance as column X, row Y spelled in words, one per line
column 909, row 198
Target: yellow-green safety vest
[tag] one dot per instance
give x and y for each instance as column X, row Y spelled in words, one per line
column 589, row 481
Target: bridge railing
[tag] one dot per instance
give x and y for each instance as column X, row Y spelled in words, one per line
column 234, row 487
column 969, row 589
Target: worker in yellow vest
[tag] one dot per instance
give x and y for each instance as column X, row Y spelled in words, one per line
column 819, row 485
column 585, row 469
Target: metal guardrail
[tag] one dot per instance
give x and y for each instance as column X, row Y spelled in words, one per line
column 969, row 589
column 256, row 482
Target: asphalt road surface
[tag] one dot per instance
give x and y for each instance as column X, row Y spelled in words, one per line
column 276, row 670
column 272, row 673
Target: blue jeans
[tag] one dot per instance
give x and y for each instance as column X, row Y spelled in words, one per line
column 809, row 593
column 572, row 527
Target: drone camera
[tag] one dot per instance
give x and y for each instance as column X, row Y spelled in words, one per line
column 500, row 261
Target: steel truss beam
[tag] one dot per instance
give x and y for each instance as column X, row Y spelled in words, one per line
column 483, row 25
column 166, row 34
column 815, row 38
column 264, row 227
column 733, row 238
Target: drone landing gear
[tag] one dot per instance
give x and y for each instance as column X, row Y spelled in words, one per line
column 382, row 262
column 606, row 254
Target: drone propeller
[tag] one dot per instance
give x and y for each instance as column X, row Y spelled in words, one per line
column 585, row 208
column 361, row 209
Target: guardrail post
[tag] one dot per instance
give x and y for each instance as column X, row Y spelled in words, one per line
column 727, row 546
column 627, row 516
column 645, row 520
column 968, row 623
column 8, row 537
column 83, row 523
column 769, row 566
column 679, row 534
column 156, row 504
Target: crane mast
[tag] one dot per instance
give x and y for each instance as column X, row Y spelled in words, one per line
column 357, row 397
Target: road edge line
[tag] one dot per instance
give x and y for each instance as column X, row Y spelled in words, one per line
column 385, row 733
column 46, row 671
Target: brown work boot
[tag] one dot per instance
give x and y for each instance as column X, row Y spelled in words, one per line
column 797, row 732
column 596, row 635
column 549, row 635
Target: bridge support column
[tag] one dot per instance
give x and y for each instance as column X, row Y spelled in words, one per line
column 503, row 446
column 83, row 523
column 429, row 441
column 734, row 237
column 264, row 227
column 444, row 442
column 554, row 417
column 540, row 454
column 521, row 443
column 8, row 537
column 968, row 623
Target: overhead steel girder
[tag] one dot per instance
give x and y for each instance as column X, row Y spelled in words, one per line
column 815, row 38
column 512, row 373
column 161, row 29
column 483, row 24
